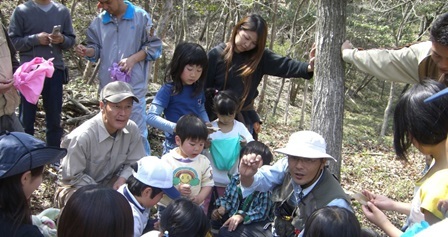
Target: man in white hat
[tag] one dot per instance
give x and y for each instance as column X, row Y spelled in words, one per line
column 300, row 182
column 101, row 150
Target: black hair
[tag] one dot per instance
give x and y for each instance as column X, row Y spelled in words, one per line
column 367, row 232
column 192, row 127
column 225, row 103
column 14, row 204
column 332, row 221
column 187, row 54
column 427, row 123
column 439, row 30
column 183, row 218
column 258, row 148
column 83, row 215
column 136, row 187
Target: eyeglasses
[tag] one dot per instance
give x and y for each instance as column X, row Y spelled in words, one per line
column 304, row 160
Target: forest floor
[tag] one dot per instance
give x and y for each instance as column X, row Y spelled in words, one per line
column 367, row 161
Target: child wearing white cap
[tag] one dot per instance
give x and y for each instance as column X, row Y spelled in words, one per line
column 300, row 182
column 150, row 179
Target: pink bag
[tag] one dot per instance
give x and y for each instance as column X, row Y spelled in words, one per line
column 30, row 76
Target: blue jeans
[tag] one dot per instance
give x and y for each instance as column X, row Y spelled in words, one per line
column 52, row 101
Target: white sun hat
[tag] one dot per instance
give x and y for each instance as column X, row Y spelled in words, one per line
column 306, row 144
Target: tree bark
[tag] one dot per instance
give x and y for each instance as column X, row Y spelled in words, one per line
column 271, row 45
column 328, row 93
column 167, row 12
column 388, row 110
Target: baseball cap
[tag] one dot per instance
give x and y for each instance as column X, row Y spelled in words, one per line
column 156, row 173
column 20, row 152
column 437, row 95
column 306, row 144
column 117, row 91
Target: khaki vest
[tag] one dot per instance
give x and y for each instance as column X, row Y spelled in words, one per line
column 10, row 99
column 326, row 190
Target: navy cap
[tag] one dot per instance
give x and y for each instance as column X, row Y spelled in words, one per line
column 20, row 152
column 437, row 95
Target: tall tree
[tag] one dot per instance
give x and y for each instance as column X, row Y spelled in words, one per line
column 328, row 93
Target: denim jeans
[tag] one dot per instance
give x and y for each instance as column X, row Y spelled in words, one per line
column 52, row 102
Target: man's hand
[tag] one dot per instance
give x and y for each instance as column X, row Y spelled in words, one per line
column 126, row 64
column 249, row 164
column 83, row 51
column 5, row 86
column 57, row 38
column 347, row 45
column 44, row 38
column 120, row 181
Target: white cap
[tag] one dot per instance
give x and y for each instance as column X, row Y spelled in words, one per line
column 155, row 172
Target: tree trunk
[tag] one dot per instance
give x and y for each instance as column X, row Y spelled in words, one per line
column 167, row 12
column 271, row 45
column 388, row 110
column 303, row 110
column 328, row 93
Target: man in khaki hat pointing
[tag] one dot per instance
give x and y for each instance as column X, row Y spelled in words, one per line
column 101, row 150
column 300, row 182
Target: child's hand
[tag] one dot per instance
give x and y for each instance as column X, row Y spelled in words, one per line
column 380, row 201
column 233, row 222
column 185, row 190
column 208, row 143
column 443, row 207
column 197, row 200
column 257, row 127
column 215, row 215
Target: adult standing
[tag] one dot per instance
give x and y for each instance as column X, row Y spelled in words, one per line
column 31, row 31
column 9, row 98
column 239, row 66
column 123, row 34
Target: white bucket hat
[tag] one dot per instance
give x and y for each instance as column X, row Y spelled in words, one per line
column 306, row 144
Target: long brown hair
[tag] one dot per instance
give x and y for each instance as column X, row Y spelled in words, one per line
column 252, row 22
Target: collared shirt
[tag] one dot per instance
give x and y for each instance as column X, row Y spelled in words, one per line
column 259, row 209
column 94, row 156
column 140, row 213
column 269, row 177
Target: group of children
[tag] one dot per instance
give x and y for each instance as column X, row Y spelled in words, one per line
column 198, row 170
